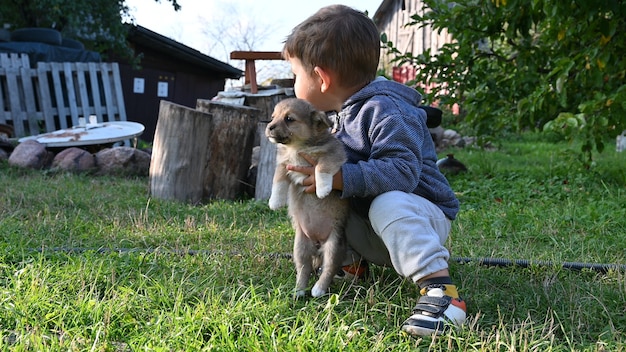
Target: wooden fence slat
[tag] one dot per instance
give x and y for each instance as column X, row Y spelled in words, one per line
column 119, row 93
column 95, row 90
column 45, row 101
column 29, row 99
column 15, row 108
column 54, row 95
column 84, row 110
column 71, row 93
column 4, row 94
column 61, row 110
column 108, row 95
column 5, row 60
column 9, row 61
column 14, row 60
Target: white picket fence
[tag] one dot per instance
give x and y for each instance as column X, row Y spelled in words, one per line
column 54, row 95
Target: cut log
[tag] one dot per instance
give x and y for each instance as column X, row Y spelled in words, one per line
column 266, row 167
column 231, row 139
column 179, row 152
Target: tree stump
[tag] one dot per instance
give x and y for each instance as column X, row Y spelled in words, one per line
column 266, row 166
column 231, row 139
column 179, row 152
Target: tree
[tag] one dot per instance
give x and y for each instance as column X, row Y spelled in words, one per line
column 98, row 24
column 229, row 29
column 547, row 65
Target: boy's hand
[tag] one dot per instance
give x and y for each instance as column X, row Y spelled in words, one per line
column 309, row 171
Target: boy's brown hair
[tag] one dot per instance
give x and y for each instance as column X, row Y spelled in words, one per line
column 338, row 38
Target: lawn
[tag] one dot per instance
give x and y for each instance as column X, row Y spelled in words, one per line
column 93, row 263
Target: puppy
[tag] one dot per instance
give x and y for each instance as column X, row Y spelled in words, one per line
column 318, row 219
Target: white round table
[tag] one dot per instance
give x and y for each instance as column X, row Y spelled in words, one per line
column 90, row 134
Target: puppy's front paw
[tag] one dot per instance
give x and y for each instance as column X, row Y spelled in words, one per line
column 276, row 201
column 318, row 291
column 299, row 294
column 279, row 196
column 323, row 184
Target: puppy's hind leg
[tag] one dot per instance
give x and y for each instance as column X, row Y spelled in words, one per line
column 333, row 252
column 303, row 251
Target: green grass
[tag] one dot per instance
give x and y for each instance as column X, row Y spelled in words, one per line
column 93, row 263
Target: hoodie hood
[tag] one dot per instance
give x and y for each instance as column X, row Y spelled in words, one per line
column 383, row 86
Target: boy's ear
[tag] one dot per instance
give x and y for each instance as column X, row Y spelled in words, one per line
column 325, row 77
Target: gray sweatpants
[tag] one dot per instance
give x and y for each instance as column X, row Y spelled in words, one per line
column 405, row 231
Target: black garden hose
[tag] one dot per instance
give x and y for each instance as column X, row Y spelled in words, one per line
column 524, row 263
column 490, row 262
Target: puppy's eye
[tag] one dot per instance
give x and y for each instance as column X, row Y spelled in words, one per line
column 288, row 119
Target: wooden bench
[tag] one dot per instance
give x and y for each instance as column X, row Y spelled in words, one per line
column 251, row 57
column 54, row 95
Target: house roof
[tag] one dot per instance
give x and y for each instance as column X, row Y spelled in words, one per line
column 385, row 8
column 165, row 45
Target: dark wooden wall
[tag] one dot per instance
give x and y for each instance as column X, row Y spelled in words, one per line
column 186, row 84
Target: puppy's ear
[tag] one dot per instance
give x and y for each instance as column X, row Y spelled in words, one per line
column 322, row 120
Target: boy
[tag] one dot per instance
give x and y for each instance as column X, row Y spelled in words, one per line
column 402, row 206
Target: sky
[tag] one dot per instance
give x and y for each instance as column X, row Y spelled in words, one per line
column 272, row 19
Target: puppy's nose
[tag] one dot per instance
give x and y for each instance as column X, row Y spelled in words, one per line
column 270, row 127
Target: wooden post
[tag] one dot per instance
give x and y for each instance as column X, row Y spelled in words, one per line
column 230, row 143
column 250, row 57
column 266, row 167
column 179, row 152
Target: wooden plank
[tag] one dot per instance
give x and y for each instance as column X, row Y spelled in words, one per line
column 71, row 92
column 55, row 95
column 62, row 111
column 45, row 101
column 15, row 105
column 14, row 60
column 256, row 55
column 5, row 60
column 108, row 94
column 4, row 114
column 95, row 90
column 119, row 93
column 28, row 99
column 84, row 109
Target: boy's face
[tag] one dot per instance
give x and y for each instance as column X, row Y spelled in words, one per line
column 307, row 86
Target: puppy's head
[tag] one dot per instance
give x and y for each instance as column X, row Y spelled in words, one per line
column 295, row 121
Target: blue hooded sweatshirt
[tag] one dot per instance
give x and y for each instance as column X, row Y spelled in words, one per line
column 389, row 146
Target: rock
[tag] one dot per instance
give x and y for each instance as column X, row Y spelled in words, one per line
column 31, row 154
column 450, row 134
column 75, row 160
column 437, row 134
column 123, row 161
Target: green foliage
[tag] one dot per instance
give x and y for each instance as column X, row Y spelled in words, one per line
column 98, row 24
column 516, row 65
